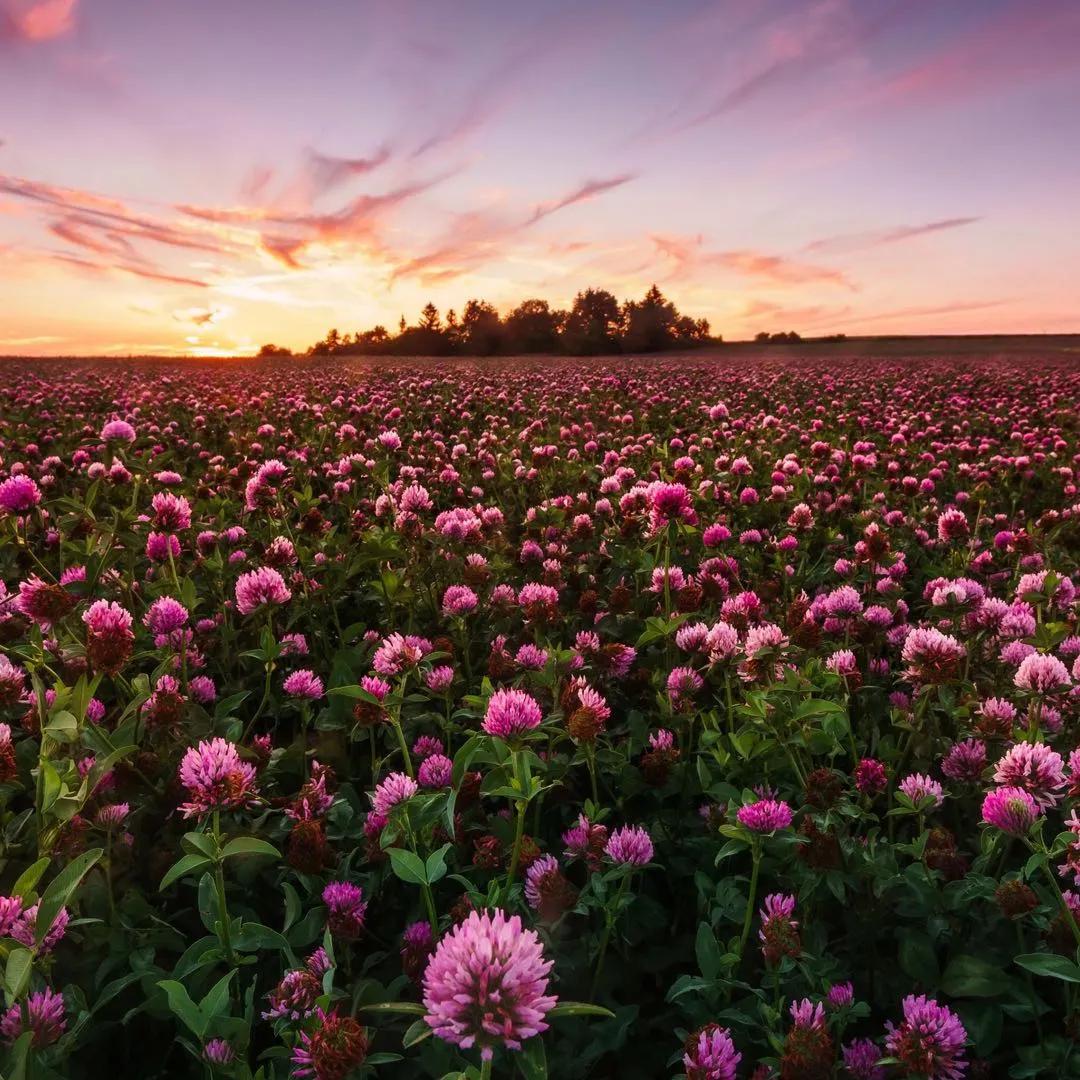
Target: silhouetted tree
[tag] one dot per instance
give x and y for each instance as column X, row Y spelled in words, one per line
column 690, row 332
column 453, row 330
column 649, row 325
column 592, row 324
column 373, row 340
column 481, row 328
column 532, row 327
column 596, row 324
column 429, row 317
column 273, row 352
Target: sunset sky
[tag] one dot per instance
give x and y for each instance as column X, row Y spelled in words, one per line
column 207, row 175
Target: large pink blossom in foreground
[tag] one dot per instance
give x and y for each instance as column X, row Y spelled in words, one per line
column 486, row 985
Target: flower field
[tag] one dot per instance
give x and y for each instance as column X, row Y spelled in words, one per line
column 569, row 718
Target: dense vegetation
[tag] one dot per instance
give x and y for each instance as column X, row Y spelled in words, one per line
column 596, row 324
column 585, row 719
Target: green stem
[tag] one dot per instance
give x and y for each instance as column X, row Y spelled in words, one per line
column 515, row 854
column 262, row 704
column 590, row 760
column 219, row 882
column 751, row 897
column 108, row 875
column 425, row 888
column 609, row 924
column 485, row 1069
column 396, row 722
column 1069, row 917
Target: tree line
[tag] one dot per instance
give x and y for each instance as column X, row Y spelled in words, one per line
column 596, row 324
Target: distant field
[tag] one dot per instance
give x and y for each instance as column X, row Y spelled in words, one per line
column 631, row 717
column 1019, row 347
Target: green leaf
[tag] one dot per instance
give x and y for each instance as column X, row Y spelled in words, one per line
column 410, row 1007
column 408, row 866
column 254, row 936
column 356, row 693
column 62, row 726
column 707, row 949
column 463, row 758
column 249, row 845
column 20, row 1052
column 1050, row 965
column 183, row 1007
column 418, row 1031
column 532, row 1060
column 216, row 1000
column 580, row 1008
column 968, row 976
column 199, row 843
column 918, row 959
column 226, row 705
column 51, row 785
column 29, row 878
column 60, row 891
column 435, row 867
column 17, row 973
column 292, row 905
column 188, row 864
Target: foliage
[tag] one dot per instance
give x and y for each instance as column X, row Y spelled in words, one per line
column 746, row 689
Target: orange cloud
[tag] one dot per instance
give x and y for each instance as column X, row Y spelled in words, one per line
column 100, row 268
column 286, row 234
column 477, row 237
column 689, row 258
column 110, row 216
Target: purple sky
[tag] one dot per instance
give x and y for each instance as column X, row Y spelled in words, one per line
column 209, row 175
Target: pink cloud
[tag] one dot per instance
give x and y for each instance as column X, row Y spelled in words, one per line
column 794, row 49
column 286, row 234
column 588, row 190
column 689, row 258
column 1021, row 42
column 477, row 237
column 327, row 172
column 42, row 21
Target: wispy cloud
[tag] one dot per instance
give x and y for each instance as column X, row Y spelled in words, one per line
column 882, row 237
column 202, row 316
column 477, row 237
column 102, row 268
column 287, row 234
column 1019, row 42
column 956, row 307
column 488, row 97
column 588, row 190
column 328, row 172
column 688, row 257
column 79, row 213
column 789, row 50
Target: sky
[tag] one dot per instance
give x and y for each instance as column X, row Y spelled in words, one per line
column 207, row 176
